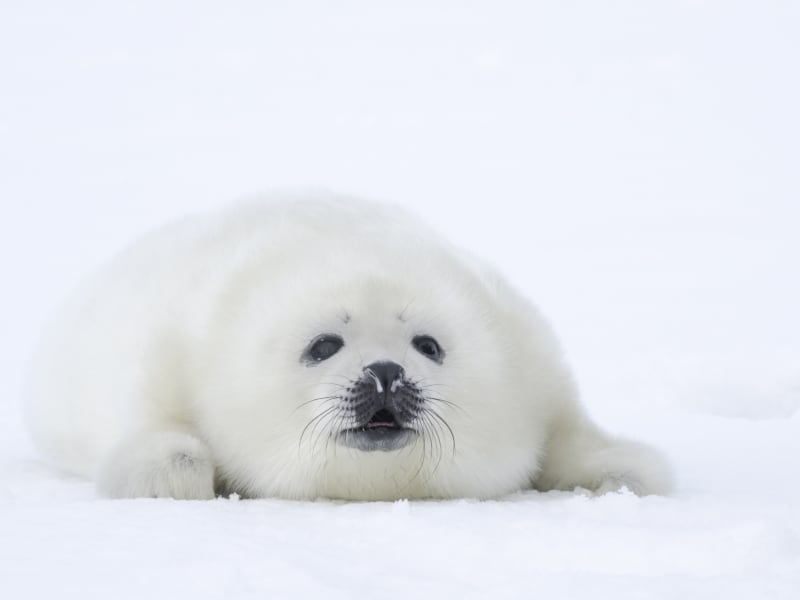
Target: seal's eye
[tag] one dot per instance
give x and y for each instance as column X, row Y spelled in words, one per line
column 428, row 346
column 322, row 348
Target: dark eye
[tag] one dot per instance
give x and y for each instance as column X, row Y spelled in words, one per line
column 322, row 348
column 428, row 346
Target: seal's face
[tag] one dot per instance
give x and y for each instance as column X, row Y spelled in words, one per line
column 403, row 375
column 383, row 409
column 376, row 375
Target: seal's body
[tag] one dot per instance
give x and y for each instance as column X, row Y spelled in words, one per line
column 315, row 347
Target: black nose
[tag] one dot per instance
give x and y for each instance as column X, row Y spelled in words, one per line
column 385, row 374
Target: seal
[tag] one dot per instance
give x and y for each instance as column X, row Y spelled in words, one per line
column 315, row 346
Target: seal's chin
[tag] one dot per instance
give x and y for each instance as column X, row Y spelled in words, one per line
column 382, row 432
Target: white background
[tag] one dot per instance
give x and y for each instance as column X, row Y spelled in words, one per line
column 631, row 166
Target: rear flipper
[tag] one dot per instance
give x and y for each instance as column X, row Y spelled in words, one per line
column 582, row 456
column 164, row 464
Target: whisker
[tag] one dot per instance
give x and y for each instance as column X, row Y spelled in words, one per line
column 439, row 418
column 452, row 405
column 420, row 383
column 338, row 426
column 421, row 460
column 330, row 417
column 302, row 404
column 322, row 424
column 316, row 418
column 437, row 437
column 338, row 384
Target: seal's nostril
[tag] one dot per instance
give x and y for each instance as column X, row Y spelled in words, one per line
column 386, row 375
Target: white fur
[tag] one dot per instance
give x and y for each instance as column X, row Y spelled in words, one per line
column 179, row 366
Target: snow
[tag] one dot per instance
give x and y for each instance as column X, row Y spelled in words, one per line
column 631, row 166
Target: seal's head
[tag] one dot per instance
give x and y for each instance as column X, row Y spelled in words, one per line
column 363, row 358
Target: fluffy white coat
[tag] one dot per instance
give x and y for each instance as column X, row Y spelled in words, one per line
column 176, row 371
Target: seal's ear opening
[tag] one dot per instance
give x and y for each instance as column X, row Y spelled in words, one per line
column 322, row 348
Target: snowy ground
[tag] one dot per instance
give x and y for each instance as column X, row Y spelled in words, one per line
column 631, row 166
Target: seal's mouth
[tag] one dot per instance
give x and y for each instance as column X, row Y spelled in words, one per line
column 382, row 432
column 382, row 418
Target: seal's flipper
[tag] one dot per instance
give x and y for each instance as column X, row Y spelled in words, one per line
column 164, row 464
column 580, row 456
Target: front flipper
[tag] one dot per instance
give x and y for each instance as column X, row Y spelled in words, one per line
column 164, row 464
column 579, row 455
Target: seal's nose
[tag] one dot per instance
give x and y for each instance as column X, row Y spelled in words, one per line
column 385, row 374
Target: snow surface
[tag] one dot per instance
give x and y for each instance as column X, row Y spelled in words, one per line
column 631, row 166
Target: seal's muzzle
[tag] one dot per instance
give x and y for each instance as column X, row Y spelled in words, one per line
column 383, row 414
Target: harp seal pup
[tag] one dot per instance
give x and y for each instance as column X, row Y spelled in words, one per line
column 315, row 346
